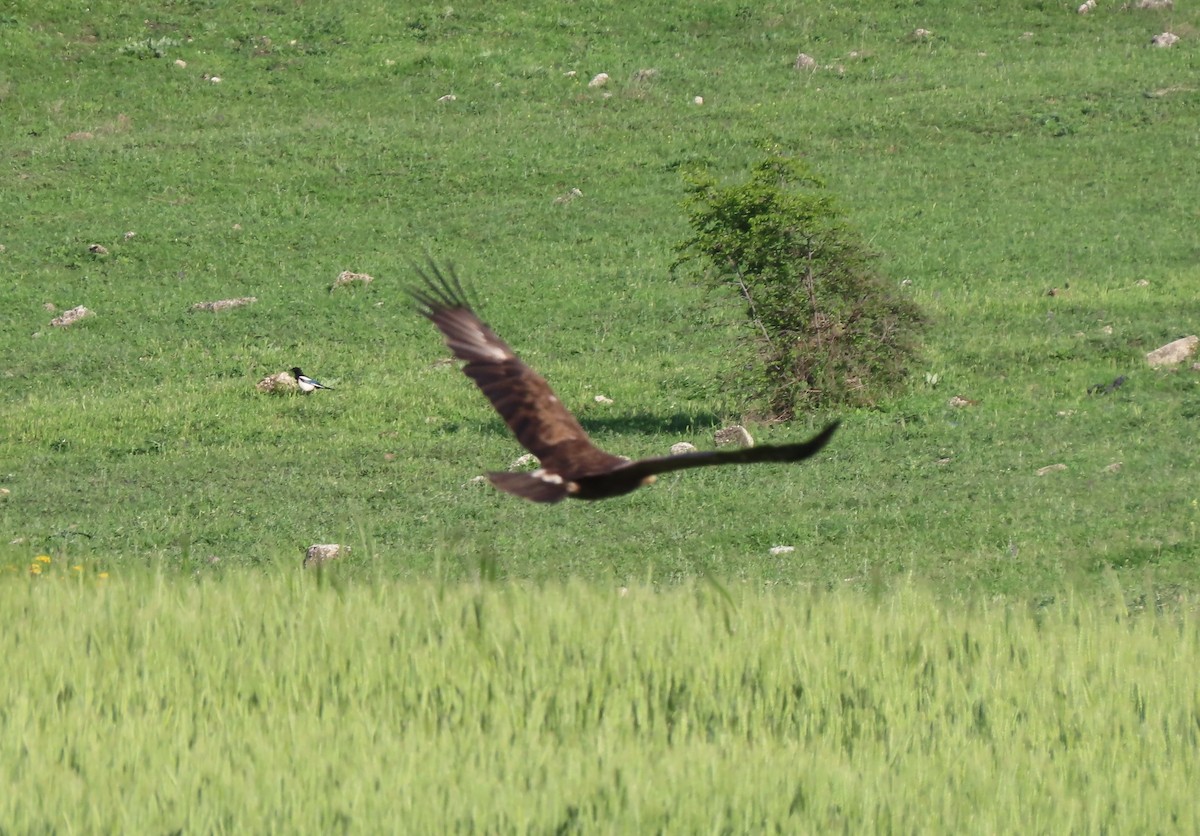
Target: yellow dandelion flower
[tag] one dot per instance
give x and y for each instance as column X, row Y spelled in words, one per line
column 103, row 575
column 77, row 568
column 34, row 569
column 42, row 558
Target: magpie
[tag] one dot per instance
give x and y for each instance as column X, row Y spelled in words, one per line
column 306, row 383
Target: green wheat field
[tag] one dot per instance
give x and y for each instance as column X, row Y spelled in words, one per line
column 974, row 612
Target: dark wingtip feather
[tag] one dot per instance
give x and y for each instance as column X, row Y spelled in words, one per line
column 442, row 290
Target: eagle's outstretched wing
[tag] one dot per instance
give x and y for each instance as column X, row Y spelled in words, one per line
column 523, row 398
column 642, row 468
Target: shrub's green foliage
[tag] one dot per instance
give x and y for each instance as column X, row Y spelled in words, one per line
column 829, row 327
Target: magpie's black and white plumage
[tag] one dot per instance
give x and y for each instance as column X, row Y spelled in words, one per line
column 306, row 383
column 571, row 465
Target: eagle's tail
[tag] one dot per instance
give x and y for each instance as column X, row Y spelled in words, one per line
column 533, row 486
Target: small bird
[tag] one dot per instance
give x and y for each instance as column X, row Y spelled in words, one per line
column 306, row 383
column 571, row 465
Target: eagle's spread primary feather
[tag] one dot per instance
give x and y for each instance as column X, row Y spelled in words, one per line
column 571, row 465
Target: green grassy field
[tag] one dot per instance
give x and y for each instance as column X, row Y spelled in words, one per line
column 277, row 703
column 1009, row 152
column 954, row 642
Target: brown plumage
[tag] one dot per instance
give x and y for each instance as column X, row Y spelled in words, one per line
column 571, row 465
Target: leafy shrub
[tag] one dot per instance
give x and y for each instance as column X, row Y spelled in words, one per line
column 828, row 328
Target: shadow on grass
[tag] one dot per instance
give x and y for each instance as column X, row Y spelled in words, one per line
column 642, row 423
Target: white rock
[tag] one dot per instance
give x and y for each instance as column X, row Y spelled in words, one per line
column 682, row 447
column 699, row 100
column 1164, row 40
column 736, row 434
column 804, row 62
column 598, row 80
column 782, row 549
column 1173, row 353
column 70, row 317
column 319, row 553
column 527, row 460
column 346, row 277
column 1051, row 468
column 603, row 399
column 449, row 97
column 277, row 384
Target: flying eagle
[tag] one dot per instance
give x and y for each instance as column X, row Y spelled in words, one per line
column 571, row 465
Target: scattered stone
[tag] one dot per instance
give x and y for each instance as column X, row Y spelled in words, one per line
column 98, row 249
column 224, row 304
column 1196, row 367
column 70, row 317
column 180, row 63
column 50, row 306
column 1154, row 4
column 735, row 434
column 525, row 461
column 782, row 549
column 603, row 399
column 477, row 480
column 622, row 592
column 1051, row 468
column 570, row 74
column 1165, row 40
column 1065, row 413
column 1173, row 353
column 1107, row 388
column 346, row 277
column 1141, row 283
column 1107, row 330
column 1111, row 468
column 944, row 460
column 698, row 100
column 320, row 553
column 3, row 248
column 280, row 383
column 5, row 492
column 567, row 197
column 921, row 34
column 130, row 234
column 958, row 402
column 598, row 80
column 682, row 447
column 804, row 62
column 1086, row 7
column 449, row 97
